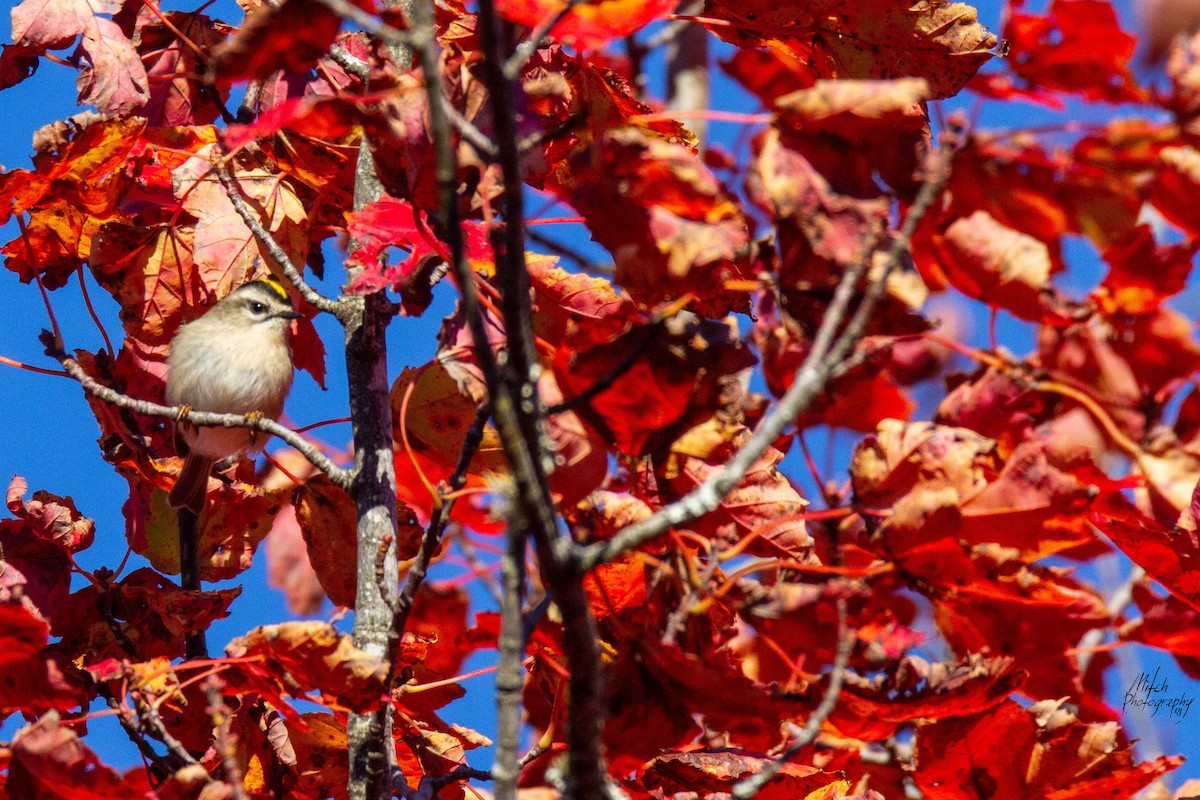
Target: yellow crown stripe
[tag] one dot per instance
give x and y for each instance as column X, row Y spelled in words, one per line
column 276, row 287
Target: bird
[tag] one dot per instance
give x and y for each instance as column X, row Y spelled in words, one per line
column 235, row 359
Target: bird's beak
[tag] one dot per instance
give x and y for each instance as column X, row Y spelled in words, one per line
column 289, row 315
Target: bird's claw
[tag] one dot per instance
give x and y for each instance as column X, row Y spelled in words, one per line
column 253, row 417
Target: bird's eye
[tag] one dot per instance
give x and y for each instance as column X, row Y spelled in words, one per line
column 258, row 308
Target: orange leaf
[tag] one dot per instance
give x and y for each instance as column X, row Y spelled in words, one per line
column 1142, row 274
column 587, row 25
column 704, row 773
column 1171, row 557
column 941, row 42
column 49, row 760
column 1003, row 267
column 971, row 686
column 312, row 655
column 1048, row 753
column 1077, row 47
column 35, row 680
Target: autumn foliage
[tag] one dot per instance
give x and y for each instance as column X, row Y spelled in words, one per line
column 913, row 612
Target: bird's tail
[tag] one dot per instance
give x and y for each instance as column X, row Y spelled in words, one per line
column 191, row 486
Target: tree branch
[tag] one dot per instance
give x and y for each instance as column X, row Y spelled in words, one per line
column 159, row 767
column 510, row 673
column 353, row 65
column 96, row 389
column 408, row 40
column 519, row 417
column 430, row 785
column 749, row 787
column 221, row 715
column 234, row 192
column 605, row 383
column 810, row 380
column 371, row 751
column 148, row 714
column 475, row 137
column 525, row 50
column 437, row 525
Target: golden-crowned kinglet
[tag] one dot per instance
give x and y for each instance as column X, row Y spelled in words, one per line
column 236, row 359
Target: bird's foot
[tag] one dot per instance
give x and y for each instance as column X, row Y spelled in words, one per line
column 254, row 417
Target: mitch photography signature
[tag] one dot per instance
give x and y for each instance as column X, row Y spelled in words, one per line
column 1148, row 693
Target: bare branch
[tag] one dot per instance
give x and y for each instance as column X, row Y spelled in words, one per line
column 510, row 673
column 352, row 64
column 562, row 250
column 148, row 714
column 811, row 378
column 437, row 525
column 522, row 52
column 520, row 420
column 92, row 387
column 749, row 787
column 160, row 767
column 430, row 784
column 220, row 713
column 637, row 351
column 234, row 192
column 248, row 108
column 372, row 755
column 409, row 39
column 677, row 620
column 475, row 137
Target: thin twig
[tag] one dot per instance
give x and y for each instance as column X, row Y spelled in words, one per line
column 475, row 137
column 460, row 773
column 535, row 752
column 677, row 620
column 810, row 380
column 477, row 567
column 410, row 38
column 437, row 526
column 248, row 108
column 234, row 192
column 606, row 382
column 148, row 714
column 749, row 787
column 158, row 766
column 523, row 51
column 352, row 64
column 430, row 784
column 87, row 301
column 1121, row 597
column 91, row 386
column 221, row 714
column 569, row 253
